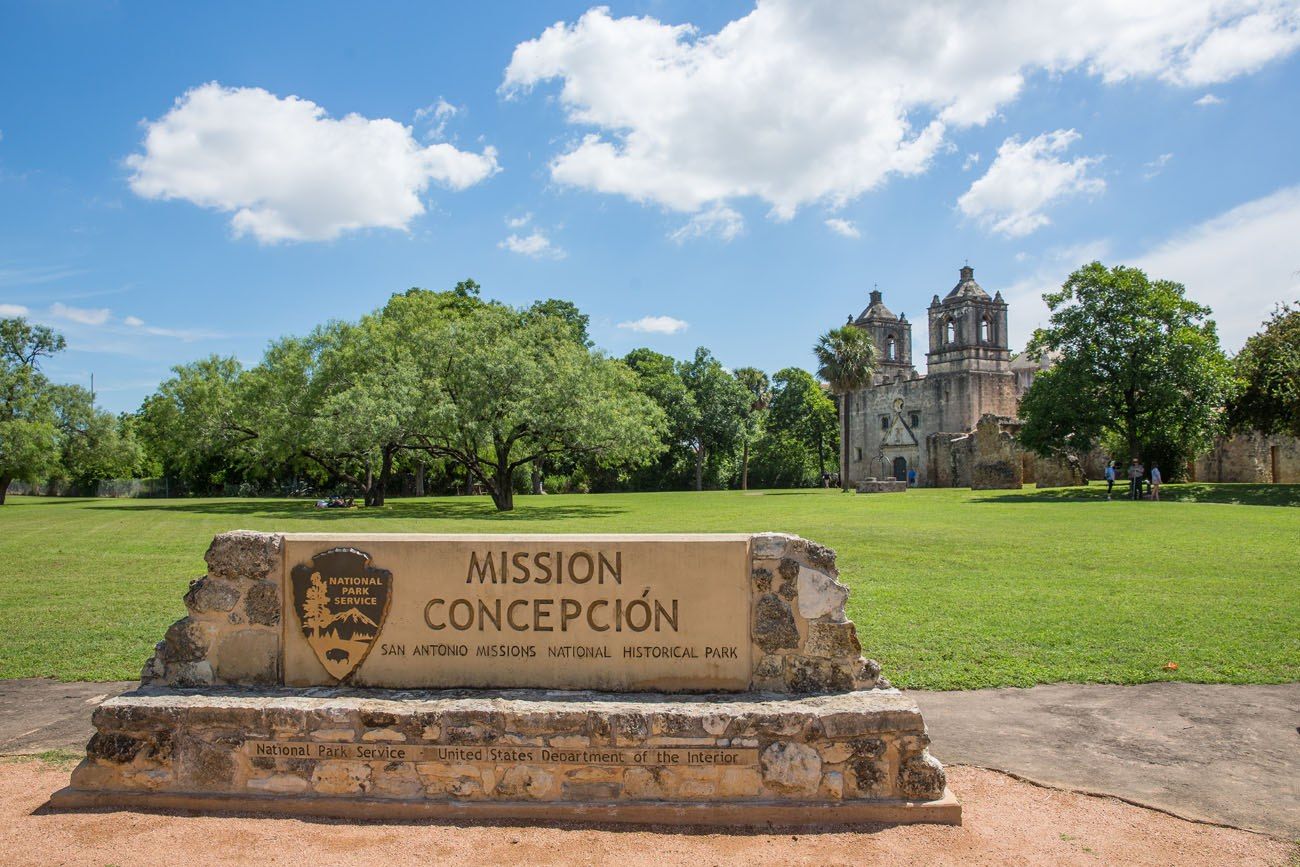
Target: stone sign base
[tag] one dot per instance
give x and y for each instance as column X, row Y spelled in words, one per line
column 739, row 760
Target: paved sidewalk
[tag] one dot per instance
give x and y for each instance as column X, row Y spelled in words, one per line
column 1228, row 754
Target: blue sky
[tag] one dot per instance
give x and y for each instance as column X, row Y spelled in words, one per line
column 740, row 182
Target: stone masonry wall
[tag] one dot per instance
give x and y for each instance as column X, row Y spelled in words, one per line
column 231, row 635
column 824, row 749
column 803, row 641
column 1250, row 457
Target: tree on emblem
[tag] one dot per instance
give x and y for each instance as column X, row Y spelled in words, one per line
column 315, row 609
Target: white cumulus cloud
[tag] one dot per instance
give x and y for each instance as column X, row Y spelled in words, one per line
column 802, row 101
column 535, row 245
column 13, row 310
column 717, row 222
column 520, row 221
column 80, row 315
column 1240, row 263
column 655, row 325
column 843, row 227
column 1208, row 100
column 1024, row 179
column 285, row 170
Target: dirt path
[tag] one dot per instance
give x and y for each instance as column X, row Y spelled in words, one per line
column 1006, row 822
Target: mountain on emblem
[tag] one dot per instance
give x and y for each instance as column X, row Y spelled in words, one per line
column 341, row 602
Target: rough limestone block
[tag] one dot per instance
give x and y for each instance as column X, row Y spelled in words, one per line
column 248, row 656
column 188, row 640
column 244, row 554
column 774, row 626
column 832, row 640
column 262, row 603
column 341, row 778
column 769, row 546
column 922, row 778
column 280, row 784
column 208, row 594
column 820, row 595
column 792, row 768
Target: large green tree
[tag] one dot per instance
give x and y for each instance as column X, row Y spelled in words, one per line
column 658, row 377
column 196, row 424
column 801, row 429
column 1138, row 369
column 1269, row 369
column 846, row 359
column 29, row 430
column 94, row 444
column 512, row 388
column 759, row 387
column 721, row 404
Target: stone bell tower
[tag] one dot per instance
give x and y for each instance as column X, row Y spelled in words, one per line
column 968, row 330
column 968, row 367
column 893, row 338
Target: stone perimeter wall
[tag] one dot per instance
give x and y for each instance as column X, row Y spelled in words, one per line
column 803, row 641
column 828, row 749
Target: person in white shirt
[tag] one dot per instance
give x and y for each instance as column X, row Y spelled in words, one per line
column 1155, row 482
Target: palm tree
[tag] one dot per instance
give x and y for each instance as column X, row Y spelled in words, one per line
column 846, row 358
column 760, row 387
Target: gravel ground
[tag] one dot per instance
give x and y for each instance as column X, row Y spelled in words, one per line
column 1006, row 822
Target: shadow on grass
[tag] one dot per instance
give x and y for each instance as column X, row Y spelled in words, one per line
column 476, row 509
column 1232, row 494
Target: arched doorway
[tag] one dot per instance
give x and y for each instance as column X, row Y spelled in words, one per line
column 900, row 469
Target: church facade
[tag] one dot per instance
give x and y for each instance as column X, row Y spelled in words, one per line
column 904, row 419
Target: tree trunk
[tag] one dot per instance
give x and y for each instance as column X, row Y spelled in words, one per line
column 539, row 480
column 503, row 491
column 844, row 442
column 4, row 487
column 419, row 480
column 699, row 468
column 379, row 488
column 744, row 468
column 368, row 490
column 469, row 480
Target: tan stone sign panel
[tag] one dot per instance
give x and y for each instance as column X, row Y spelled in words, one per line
column 602, row 612
column 645, row 756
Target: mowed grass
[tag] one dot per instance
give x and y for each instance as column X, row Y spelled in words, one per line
column 952, row 589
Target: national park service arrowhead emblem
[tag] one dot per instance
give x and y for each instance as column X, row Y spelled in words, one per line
column 341, row 601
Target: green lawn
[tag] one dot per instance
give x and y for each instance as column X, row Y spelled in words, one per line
column 952, row 589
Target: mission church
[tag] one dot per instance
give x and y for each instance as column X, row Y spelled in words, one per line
column 904, row 420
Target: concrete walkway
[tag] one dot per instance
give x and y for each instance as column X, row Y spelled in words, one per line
column 1226, row 754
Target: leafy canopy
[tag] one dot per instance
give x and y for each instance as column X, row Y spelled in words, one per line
column 1138, row 369
column 1269, row 368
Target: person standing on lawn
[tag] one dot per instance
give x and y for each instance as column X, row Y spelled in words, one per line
column 1155, row 482
column 1110, row 478
column 1135, row 473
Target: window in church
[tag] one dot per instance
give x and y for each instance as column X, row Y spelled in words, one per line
column 986, row 329
column 916, row 420
column 950, row 332
column 891, row 351
column 884, row 422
